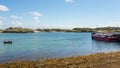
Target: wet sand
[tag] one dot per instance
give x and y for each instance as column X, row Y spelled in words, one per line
column 99, row 60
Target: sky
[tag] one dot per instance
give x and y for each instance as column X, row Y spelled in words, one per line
column 59, row 13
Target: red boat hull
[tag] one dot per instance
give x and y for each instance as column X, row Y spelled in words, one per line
column 104, row 38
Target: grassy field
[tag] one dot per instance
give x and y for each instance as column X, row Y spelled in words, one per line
column 100, row 60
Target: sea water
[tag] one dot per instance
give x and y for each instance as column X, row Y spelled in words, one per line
column 43, row 45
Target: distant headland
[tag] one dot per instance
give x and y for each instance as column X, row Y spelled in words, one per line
column 28, row 30
column 17, row 30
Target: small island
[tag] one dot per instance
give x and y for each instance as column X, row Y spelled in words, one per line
column 17, row 30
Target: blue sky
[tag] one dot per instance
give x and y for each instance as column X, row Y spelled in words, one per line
column 59, row 13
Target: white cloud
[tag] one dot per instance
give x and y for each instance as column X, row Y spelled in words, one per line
column 1, row 22
column 36, row 14
column 114, row 24
column 2, row 18
column 109, row 24
column 3, row 8
column 15, row 17
column 17, row 24
column 69, row 1
column 36, row 19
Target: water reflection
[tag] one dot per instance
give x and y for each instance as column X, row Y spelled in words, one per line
column 101, row 46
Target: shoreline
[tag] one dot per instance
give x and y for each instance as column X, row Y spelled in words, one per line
column 106, row 60
column 30, row 30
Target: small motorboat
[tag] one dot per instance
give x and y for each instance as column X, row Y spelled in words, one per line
column 7, row 42
column 106, row 37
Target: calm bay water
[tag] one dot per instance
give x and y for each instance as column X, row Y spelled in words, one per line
column 33, row 46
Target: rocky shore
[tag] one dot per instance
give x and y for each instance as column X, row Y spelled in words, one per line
column 100, row 60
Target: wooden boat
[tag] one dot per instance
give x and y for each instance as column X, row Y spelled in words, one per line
column 7, row 42
column 106, row 37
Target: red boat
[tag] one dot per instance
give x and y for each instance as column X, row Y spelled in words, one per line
column 106, row 37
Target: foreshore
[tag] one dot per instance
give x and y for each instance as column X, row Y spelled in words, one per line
column 99, row 60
